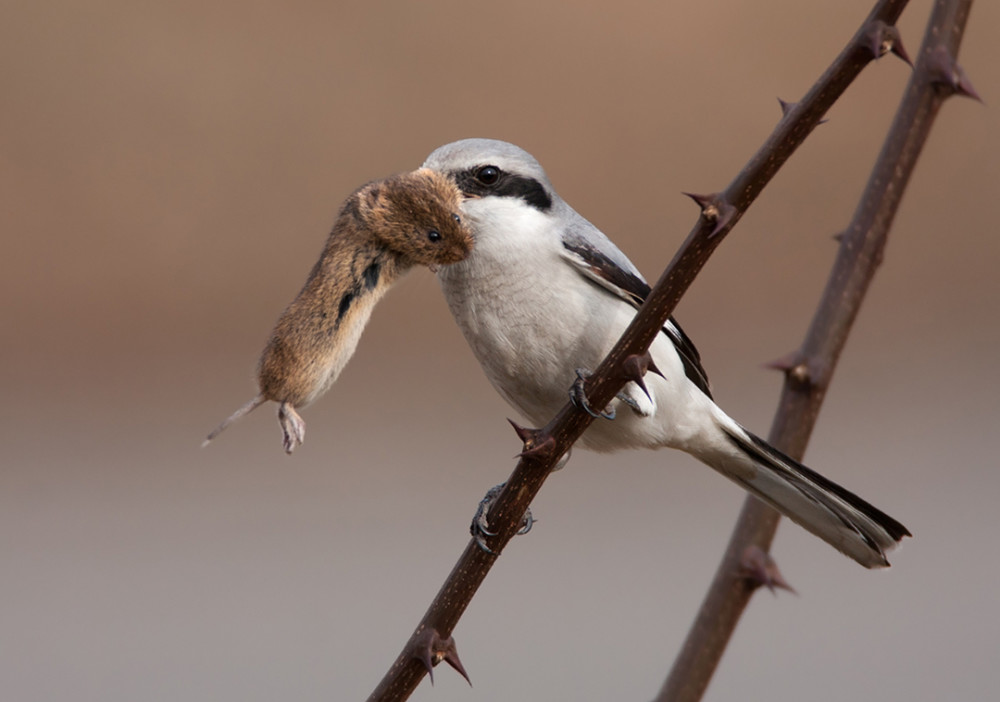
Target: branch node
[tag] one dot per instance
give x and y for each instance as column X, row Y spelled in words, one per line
column 541, row 449
column 800, row 374
column 714, row 208
column 947, row 75
column 796, row 369
column 884, row 38
column 758, row 568
column 430, row 649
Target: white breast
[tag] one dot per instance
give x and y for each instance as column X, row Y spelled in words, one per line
column 532, row 319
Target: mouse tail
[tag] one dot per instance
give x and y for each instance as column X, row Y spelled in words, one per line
column 235, row 416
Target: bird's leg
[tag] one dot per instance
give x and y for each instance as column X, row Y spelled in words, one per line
column 480, row 527
column 293, row 426
column 578, row 395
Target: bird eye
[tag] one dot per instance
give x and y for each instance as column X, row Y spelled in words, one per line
column 488, row 175
column 434, row 235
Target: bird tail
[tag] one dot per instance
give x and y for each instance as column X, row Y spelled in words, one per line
column 842, row 519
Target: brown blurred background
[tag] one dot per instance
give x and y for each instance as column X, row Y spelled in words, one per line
column 168, row 175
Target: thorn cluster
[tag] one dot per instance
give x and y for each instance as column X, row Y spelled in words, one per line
column 714, row 208
column 430, row 649
column 885, row 38
column 536, row 444
column 529, row 437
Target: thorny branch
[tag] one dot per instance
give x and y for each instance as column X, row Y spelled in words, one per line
column 809, row 370
column 431, row 642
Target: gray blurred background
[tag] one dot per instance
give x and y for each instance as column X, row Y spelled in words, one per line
column 169, row 172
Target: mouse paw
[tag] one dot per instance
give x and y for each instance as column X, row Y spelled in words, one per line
column 293, row 426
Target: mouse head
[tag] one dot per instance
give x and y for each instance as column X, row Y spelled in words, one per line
column 417, row 216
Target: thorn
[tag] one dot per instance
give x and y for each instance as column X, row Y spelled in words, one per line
column 759, row 568
column 965, row 87
column 452, row 659
column 898, row 50
column 787, row 107
column 884, row 38
column 653, row 369
column 839, row 236
column 705, row 202
column 430, row 649
column 949, row 76
column 528, row 437
column 422, row 651
column 634, row 367
column 714, row 209
column 726, row 214
column 784, row 363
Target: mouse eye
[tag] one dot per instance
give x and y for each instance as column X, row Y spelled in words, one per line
column 488, row 175
column 456, row 217
column 434, row 235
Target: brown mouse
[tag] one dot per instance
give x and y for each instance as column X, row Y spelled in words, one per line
column 383, row 229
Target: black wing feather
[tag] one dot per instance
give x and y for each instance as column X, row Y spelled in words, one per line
column 636, row 290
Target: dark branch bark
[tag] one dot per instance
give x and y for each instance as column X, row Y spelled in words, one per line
column 810, row 370
column 719, row 213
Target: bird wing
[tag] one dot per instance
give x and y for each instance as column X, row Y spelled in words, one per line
column 610, row 269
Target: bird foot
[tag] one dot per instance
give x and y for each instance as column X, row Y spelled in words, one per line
column 480, row 527
column 578, row 395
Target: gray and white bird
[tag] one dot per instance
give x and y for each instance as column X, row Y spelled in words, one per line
column 544, row 293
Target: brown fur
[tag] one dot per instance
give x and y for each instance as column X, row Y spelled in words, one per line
column 383, row 229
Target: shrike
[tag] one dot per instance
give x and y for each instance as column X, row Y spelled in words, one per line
column 545, row 293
